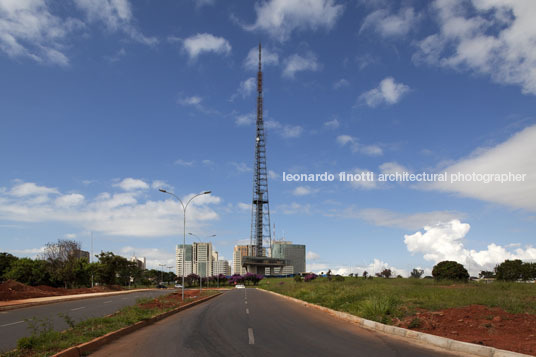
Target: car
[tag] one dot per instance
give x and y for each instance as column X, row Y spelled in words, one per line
column 161, row 286
column 178, row 286
column 240, row 286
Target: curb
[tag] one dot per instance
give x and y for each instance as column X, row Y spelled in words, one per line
column 72, row 298
column 91, row 346
column 437, row 341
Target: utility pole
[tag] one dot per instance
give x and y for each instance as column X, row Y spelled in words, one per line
column 162, row 272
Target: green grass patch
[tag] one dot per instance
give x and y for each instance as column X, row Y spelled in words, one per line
column 384, row 299
column 45, row 341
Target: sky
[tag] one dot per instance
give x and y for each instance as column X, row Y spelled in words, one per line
column 104, row 102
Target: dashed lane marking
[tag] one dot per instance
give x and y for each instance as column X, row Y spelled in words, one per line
column 247, row 311
column 107, row 302
column 13, row 323
column 78, row 308
column 251, row 337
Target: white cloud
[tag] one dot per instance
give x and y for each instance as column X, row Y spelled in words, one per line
column 157, row 184
column 341, row 83
column 495, row 38
column 116, row 15
column 269, row 58
column 365, row 184
column 120, row 214
column 70, row 235
column 245, row 89
column 312, row 255
column 28, row 29
column 376, row 266
column 302, row 191
column 515, row 155
column 70, row 200
column 332, row 124
column 293, row 208
column 272, row 175
column 296, row 63
column 31, row 189
column 245, row 119
column 387, row 92
column 193, row 100
column 388, row 24
column 182, row 162
column 281, row 17
column 444, row 241
column 241, row 166
column 154, row 257
column 205, row 42
column 130, row 184
column 347, row 140
column 244, row 206
column 291, row 131
column 392, row 168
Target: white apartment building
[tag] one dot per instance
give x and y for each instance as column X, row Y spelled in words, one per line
column 202, row 259
column 221, row 267
column 180, row 254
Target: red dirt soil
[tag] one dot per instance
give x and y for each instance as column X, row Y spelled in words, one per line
column 13, row 290
column 171, row 300
column 481, row 325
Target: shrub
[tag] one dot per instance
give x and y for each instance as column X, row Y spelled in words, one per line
column 515, row 270
column 386, row 273
column 310, row 277
column 379, row 308
column 417, row 273
column 338, row 277
column 450, row 270
column 297, row 278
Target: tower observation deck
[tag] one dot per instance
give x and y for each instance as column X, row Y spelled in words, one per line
column 256, row 261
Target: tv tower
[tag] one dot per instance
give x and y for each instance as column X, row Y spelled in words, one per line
column 260, row 212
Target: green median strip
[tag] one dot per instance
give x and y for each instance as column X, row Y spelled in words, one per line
column 45, row 341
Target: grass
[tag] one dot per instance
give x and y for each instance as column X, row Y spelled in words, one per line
column 45, row 341
column 384, row 299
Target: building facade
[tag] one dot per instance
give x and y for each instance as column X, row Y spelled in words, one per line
column 186, row 254
column 140, row 262
column 202, row 259
column 294, row 255
column 221, row 267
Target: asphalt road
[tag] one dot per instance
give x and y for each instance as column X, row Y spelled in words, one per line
column 13, row 325
column 250, row 322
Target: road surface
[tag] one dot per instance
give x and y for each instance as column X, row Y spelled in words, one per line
column 250, row 322
column 13, row 325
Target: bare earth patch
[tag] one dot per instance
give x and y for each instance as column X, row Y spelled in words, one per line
column 479, row 324
column 13, row 290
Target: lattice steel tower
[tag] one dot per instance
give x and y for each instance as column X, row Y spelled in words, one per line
column 260, row 212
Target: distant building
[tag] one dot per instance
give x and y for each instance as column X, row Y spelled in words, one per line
column 294, row 255
column 221, row 267
column 141, row 262
column 78, row 253
column 202, row 259
column 185, row 253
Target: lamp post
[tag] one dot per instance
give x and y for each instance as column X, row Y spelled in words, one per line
column 161, row 273
column 200, row 277
column 184, row 207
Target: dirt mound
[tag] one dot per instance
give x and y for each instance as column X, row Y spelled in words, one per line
column 13, row 290
column 479, row 324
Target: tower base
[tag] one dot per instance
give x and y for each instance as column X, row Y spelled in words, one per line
column 258, row 265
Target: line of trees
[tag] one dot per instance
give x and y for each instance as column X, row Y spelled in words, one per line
column 60, row 265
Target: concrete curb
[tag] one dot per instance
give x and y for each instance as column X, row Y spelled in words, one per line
column 68, row 298
column 88, row 347
column 437, row 341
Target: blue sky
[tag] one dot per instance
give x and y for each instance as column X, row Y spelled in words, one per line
column 103, row 102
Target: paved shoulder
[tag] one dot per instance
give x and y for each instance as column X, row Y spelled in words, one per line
column 249, row 322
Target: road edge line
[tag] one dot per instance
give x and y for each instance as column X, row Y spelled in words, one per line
column 86, row 348
column 421, row 337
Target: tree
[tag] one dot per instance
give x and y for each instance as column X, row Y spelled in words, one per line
column 450, row 270
column 6, row 260
column 486, row 274
column 416, row 273
column 511, row 270
column 329, row 275
column 386, row 273
column 28, row 271
column 365, row 274
column 62, row 258
column 114, row 269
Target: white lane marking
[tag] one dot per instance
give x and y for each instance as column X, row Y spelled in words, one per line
column 13, row 323
column 251, row 337
column 78, row 308
column 3, row 312
column 247, row 311
column 246, row 302
column 107, row 302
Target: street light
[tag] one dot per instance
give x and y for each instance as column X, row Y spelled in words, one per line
column 200, row 277
column 161, row 273
column 184, row 227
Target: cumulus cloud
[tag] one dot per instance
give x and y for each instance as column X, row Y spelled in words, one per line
column 352, row 142
column 23, row 189
column 389, row 168
column 281, row 17
column 204, row 43
column 387, row 92
column 241, row 167
column 341, row 83
column 182, row 162
column 245, row 89
column 130, row 184
column 376, row 266
column 154, row 257
column 291, row 131
column 332, row 124
column 515, row 155
column 119, row 214
column 494, row 38
column 297, row 63
column 444, row 241
column 389, row 24
column 302, row 191
column 312, row 255
column 269, row 58
column 245, row 119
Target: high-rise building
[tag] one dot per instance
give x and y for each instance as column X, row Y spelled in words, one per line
column 202, row 259
column 140, row 262
column 186, row 254
column 293, row 254
column 241, row 251
column 221, row 267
